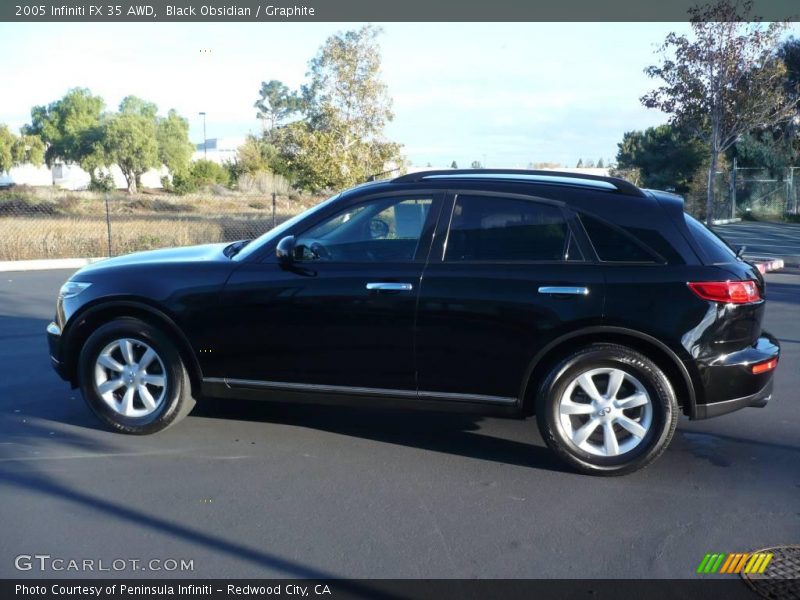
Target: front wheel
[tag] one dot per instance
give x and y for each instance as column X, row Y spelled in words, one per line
column 607, row 410
column 132, row 377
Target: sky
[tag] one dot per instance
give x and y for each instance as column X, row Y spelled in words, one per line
column 503, row 94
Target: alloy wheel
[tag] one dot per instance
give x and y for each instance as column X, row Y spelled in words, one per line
column 130, row 377
column 605, row 412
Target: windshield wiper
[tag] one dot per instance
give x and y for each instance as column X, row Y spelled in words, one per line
column 234, row 248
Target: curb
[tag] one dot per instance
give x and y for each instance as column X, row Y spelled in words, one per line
column 727, row 221
column 765, row 264
column 47, row 264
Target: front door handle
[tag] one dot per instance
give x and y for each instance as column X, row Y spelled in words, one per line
column 390, row 287
column 567, row 290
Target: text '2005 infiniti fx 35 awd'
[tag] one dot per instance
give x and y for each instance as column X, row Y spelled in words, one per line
column 601, row 308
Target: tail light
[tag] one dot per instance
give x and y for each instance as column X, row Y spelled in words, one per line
column 765, row 366
column 729, row 292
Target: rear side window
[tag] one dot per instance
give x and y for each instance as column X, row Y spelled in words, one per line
column 716, row 250
column 498, row 228
column 613, row 245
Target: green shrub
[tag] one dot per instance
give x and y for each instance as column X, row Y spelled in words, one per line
column 183, row 183
column 202, row 173
column 102, row 183
column 206, row 172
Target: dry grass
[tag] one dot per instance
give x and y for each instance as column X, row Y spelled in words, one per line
column 50, row 223
column 64, row 238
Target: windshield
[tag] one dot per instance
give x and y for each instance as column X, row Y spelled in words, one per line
column 279, row 231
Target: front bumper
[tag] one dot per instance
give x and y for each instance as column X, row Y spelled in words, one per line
column 54, row 344
column 729, row 383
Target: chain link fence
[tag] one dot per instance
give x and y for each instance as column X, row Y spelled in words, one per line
column 743, row 192
column 47, row 222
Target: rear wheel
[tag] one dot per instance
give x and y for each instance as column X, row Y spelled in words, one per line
column 133, row 378
column 607, row 410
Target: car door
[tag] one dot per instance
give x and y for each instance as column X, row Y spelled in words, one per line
column 506, row 277
column 342, row 314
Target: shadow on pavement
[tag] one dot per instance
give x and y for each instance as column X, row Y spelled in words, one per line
column 447, row 433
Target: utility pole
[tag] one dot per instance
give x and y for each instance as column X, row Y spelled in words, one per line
column 733, row 189
column 205, row 138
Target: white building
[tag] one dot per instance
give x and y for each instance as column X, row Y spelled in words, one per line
column 218, row 150
column 71, row 177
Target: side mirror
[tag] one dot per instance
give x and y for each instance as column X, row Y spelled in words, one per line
column 284, row 251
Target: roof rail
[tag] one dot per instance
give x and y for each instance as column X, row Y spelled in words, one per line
column 530, row 176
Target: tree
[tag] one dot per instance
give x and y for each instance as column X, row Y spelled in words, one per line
column 257, row 155
column 723, row 82
column 454, row 165
column 600, row 164
column 666, row 157
column 17, row 150
column 347, row 107
column 174, row 148
column 130, row 142
column 345, row 83
column 476, row 164
column 134, row 105
column 7, row 142
column 771, row 149
column 580, row 164
column 71, row 128
column 339, row 139
column 276, row 103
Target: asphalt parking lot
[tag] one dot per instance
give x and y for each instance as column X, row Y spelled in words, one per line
column 778, row 240
column 266, row 490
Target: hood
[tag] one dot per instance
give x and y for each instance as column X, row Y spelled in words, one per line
column 186, row 254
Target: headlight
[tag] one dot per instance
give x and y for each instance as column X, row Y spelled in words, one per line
column 72, row 289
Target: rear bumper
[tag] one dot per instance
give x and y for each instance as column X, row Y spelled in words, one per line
column 715, row 409
column 729, row 382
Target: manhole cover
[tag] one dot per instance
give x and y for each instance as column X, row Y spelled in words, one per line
column 781, row 577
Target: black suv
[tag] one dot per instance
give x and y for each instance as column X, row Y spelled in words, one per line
column 599, row 307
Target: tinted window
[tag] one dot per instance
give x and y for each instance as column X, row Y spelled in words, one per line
column 716, row 250
column 613, row 245
column 496, row 228
column 655, row 240
column 381, row 230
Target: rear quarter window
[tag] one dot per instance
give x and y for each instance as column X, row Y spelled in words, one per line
column 614, row 245
column 713, row 246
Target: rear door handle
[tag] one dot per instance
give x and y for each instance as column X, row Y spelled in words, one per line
column 566, row 290
column 390, row 287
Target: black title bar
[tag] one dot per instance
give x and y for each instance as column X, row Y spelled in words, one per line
column 256, row 11
column 731, row 588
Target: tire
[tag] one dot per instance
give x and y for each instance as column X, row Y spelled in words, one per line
column 126, row 394
column 641, row 416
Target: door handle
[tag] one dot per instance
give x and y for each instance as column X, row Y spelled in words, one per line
column 566, row 290
column 390, row 287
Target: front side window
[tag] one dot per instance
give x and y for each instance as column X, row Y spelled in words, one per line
column 505, row 229
column 381, row 230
